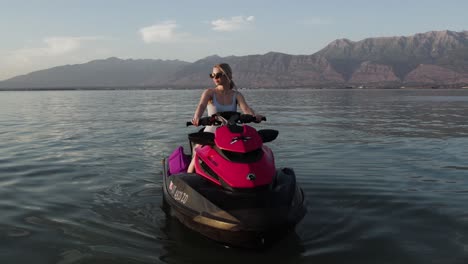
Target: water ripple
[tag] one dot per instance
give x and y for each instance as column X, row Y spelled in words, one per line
column 384, row 173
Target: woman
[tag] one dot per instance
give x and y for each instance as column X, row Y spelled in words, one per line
column 223, row 97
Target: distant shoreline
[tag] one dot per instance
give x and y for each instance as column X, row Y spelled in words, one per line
column 243, row 88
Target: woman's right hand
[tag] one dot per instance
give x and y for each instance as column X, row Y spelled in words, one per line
column 195, row 121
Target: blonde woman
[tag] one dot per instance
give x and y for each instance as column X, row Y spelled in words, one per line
column 222, row 98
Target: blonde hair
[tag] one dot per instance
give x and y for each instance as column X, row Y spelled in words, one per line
column 227, row 71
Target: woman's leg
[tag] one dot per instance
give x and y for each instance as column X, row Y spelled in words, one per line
column 191, row 167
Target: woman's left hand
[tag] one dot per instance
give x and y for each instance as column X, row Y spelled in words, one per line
column 258, row 118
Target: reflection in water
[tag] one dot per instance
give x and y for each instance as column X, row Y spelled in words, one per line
column 186, row 246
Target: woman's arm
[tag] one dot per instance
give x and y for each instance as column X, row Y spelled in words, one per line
column 245, row 107
column 204, row 99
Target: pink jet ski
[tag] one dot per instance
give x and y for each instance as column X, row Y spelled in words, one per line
column 237, row 196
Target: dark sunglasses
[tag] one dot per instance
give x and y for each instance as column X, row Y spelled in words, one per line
column 216, row 75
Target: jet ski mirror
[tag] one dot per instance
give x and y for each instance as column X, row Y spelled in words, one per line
column 268, row 135
column 202, row 138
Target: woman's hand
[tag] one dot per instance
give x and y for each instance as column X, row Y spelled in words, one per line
column 258, row 118
column 195, row 121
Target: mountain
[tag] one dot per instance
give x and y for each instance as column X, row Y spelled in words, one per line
column 111, row 72
column 431, row 59
column 402, row 60
column 268, row 70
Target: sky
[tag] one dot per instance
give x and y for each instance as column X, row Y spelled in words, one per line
column 40, row 34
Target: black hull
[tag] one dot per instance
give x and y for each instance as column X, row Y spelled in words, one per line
column 240, row 218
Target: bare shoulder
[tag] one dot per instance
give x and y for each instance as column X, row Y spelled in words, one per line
column 208, row 91
column 207, row 94
column 239, row 95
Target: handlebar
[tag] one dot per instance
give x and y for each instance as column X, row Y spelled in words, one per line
column 231, row 117
column 206, row 121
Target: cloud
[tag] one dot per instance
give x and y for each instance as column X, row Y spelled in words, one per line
column 53, row 51
column 61, row 45
column 162, row 32
column 54, row 46
column 232, row 24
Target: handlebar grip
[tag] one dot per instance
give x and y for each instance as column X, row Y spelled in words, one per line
column 255, row 120
column 204, row 121
column 246, row 118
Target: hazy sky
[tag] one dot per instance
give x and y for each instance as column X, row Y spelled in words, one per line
column 39, row 34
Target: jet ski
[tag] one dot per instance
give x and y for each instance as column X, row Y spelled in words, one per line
column 237, row 196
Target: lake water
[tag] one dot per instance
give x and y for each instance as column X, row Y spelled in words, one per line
column 385, row 173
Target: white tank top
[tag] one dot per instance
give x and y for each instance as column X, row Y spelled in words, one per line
column 215, row 107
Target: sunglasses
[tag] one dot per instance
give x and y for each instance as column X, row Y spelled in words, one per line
column 216, row 75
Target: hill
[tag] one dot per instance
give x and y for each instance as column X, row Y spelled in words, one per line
column 431, row 59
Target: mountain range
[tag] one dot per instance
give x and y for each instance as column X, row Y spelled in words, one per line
column 432, row 59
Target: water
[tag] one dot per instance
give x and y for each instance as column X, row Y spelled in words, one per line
column 385, row 173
